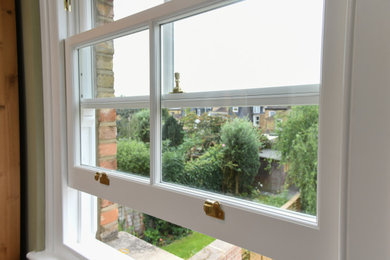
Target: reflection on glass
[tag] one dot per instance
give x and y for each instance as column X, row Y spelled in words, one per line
column 116, row 139
column 250, row 44
column 123, row 8
column 115, row 68
column 266, row 154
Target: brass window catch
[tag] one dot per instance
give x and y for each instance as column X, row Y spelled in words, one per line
column 68, row 5
column 177, row 88
column 103, row 178
column 212, row 208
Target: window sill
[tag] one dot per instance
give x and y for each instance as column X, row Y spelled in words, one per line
column 93, row 249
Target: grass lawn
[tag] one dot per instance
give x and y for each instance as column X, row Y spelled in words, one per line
column 189, row 245
column 277, row 200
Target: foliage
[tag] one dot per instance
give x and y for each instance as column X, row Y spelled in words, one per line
column 173, row 166
column 189, row 121
column 173, row 131
column 264, row 142
column 140, row 126
column 160, row 232
column 276, row 200
column 240, row 155
column 191, row 148
column 133, row 156
column 209, row 128
column 130, row 229
column 204, row 127
column 188, row 246
column 298, row 144
column 206, row 171
column 123, row 122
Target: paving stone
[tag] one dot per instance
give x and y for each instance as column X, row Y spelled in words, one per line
column 139, row 249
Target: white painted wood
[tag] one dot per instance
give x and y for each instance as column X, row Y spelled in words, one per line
column 276, row 235
column 88, row 136
column 238, row 98
column 164, row 13
column 117, row 103
column 368, row 229
column 155, row 111
column 259, row 228
column 289, row 95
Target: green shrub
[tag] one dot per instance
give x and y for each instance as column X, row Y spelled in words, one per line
column 160, row 232
column 173, row 167
column 173, row 131
column 123, row 122
column 298, row 144
column 191, row 147
column 133, row 156
column 240, row 155
column 140, row 126
column 206, row 171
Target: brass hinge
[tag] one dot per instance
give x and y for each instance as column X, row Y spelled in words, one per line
column 68, row 5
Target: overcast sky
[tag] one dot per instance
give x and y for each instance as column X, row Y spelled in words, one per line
column 250, row 44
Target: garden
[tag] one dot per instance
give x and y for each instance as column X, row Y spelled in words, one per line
column 219, row 153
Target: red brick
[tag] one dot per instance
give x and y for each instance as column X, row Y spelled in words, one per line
column 107, row 115
column 107, row 132
column 107, row 149
column 106, row 203
column 108, row 164
column 109, row 216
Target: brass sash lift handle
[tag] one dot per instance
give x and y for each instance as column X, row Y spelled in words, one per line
column 103, row 178
column 213, row 208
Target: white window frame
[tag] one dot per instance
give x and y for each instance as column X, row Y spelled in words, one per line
column 287, row 225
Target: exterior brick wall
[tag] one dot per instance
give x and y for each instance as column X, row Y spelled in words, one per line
column 131, row 220
column 106, row 125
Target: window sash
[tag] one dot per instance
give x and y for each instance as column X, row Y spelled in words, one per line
column 289, row 95
column 181, row 205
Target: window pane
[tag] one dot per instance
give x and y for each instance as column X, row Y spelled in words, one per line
column 142, row 236
column 116, row 139
column 115, row 68
column 250, row 44
column 98, row 12
column 270, row 158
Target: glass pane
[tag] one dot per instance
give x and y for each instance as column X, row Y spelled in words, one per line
column 250, row 44
column 266, row 154
column 115, row 68
column 116, row 139
column 141, row 236
column 123, row 8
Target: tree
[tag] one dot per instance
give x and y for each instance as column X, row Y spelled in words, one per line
column 140, row 126
column 298, row 144
column 123, row 122
column 241, row 155
column 173, row 131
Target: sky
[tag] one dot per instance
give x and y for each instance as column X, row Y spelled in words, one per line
column 250, row 44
